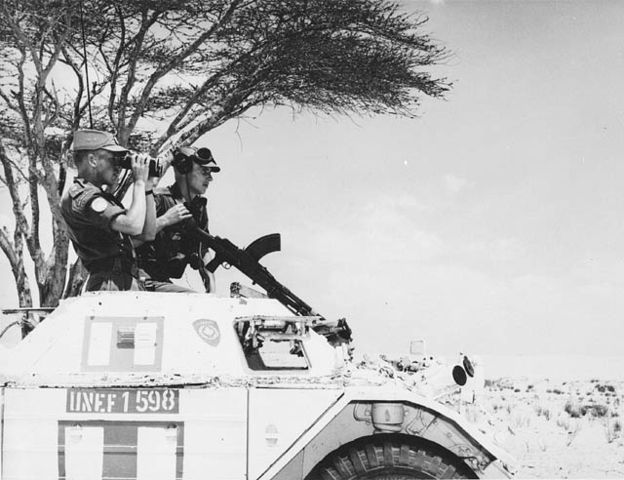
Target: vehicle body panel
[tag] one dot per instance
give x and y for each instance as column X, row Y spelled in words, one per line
column 43, row 440
column 278, row 417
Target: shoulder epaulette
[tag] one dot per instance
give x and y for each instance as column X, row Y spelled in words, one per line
column 83, row 193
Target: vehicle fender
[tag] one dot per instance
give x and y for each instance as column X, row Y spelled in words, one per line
column 351, row 417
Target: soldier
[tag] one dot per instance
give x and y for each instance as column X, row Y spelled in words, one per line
column 100, row 227
column 179, row 209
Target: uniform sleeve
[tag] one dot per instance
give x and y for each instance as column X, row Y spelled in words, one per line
column 203, row 221
column 204, row 226
column 96, row 210
column 161, row 204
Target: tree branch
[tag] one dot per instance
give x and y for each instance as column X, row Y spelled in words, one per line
column 21, row 224
column 176, row 61
column 116, row 64
column 20, row 97
column 76, row 105
column 146, row 23
column 7, row 248
column 9, row 102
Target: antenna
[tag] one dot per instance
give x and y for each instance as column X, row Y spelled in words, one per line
column 86, row 64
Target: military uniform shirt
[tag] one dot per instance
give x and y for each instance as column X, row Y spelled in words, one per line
column 168, row 255
column 88, row 212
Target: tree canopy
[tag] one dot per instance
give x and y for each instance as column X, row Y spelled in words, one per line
column 165, row 72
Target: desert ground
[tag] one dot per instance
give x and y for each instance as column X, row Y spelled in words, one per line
column 556, row 429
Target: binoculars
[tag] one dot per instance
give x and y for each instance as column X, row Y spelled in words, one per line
column 155, row 167
column 183, row 158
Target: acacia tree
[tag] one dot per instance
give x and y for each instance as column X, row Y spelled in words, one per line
column 30, row 148
column 186, row 66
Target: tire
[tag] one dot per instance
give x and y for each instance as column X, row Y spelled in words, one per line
column 390, row 457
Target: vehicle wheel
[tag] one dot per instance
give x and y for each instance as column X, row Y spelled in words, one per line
column 390, row 457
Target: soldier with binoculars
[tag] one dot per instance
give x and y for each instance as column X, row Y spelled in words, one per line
column 101, row 229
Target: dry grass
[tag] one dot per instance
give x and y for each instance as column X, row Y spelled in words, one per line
column 568, row 429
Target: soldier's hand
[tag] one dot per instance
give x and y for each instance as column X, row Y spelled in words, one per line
column 140, row 167
column 176, row 214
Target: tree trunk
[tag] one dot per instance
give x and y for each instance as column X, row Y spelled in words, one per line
column 24, row 294
column 51, row 288
column 15, row 254
column 77, row 276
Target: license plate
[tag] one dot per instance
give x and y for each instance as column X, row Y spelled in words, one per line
column 122, row 400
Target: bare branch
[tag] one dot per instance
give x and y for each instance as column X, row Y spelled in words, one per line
column 21, row 224
column 24, row 42
column 7, row 248
column 53, row 96
column 116, row 65
column 78, row 98
column 146, row 23
column 10, row 104
column 20, row 94
column 15, row 166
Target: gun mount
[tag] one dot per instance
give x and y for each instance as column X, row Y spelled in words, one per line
column 247, row 261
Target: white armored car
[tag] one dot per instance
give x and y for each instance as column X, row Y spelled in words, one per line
column 140, row 385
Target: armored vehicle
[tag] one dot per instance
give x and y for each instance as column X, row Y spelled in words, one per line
column 142, row 385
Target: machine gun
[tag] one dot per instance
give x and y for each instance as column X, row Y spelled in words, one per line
column 247, row 262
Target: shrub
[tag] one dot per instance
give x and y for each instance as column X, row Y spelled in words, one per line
column 613, row 430
column 598, row 410
column 573, row 409
column 605, row 388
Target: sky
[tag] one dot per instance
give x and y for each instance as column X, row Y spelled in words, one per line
column 490, row 224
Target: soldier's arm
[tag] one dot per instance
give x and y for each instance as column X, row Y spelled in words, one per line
column 205, row 251
column 152, row 225
column 149, row 227
column 176, row 214
column 94, row 208
column 133, row 220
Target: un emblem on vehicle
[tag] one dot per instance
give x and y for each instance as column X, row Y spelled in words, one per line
column 208, row 331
